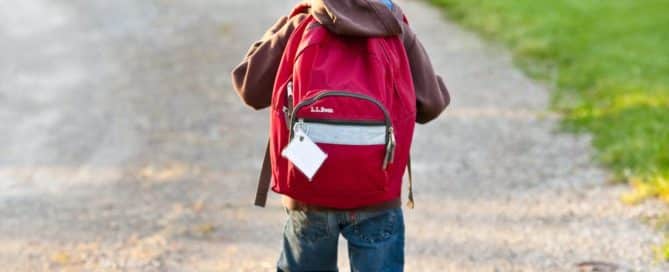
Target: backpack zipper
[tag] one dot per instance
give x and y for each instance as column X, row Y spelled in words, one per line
column 344, row 122
column 390, row 135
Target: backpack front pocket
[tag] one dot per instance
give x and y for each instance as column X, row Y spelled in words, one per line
column 356, row 153
column 356, row 133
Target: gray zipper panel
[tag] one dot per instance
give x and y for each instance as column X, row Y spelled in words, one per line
column 345, row 134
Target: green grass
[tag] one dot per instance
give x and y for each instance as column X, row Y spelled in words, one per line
column 609, row 63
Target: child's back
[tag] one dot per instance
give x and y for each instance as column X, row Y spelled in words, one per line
column 375, row 231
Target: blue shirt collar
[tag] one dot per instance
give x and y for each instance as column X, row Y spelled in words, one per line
column 388, row 3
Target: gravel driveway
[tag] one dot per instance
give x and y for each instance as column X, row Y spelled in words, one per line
column 125, row 149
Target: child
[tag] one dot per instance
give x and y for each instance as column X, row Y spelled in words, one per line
column 375, row 233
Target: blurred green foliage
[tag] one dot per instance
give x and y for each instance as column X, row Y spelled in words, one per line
column 609, row 62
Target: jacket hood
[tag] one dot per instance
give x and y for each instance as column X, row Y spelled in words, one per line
column 366, row 18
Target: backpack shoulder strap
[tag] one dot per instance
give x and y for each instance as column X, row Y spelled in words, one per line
column 411, row 204
column 264, row 180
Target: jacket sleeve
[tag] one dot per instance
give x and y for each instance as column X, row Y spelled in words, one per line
column 253, row 79
column 432, row 97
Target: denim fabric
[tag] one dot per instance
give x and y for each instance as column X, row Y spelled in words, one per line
column 375, row 240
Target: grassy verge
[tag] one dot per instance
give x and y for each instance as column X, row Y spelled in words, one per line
column 609, row 62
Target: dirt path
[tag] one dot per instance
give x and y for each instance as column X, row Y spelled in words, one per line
column 125, row 149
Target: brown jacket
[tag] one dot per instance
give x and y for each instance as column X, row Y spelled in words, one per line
column 253, row 79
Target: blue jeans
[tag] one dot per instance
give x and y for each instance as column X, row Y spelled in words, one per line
column 375, row 240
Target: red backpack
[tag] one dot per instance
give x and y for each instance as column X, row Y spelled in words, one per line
column 354, row 97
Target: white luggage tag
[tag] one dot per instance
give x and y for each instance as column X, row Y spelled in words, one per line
column 304, row 154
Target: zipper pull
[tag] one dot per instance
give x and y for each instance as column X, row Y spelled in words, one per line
column 286, row 116
column 288, row 108
column 289, row 99
column 289, row 88
column 390, row 149
column 299, row 125
column 393, row 143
